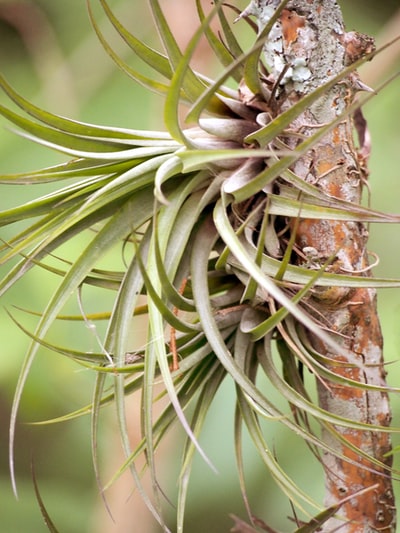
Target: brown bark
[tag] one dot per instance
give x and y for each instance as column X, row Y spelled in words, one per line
column 310, row 43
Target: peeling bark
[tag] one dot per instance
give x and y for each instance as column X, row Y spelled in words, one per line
column 306, row 47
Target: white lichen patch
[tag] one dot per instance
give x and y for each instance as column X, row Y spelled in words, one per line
column 285, row 62
column 300, row 74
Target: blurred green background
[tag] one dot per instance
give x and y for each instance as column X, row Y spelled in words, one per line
column 50, row 54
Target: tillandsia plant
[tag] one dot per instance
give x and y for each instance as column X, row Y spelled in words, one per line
column 245, row 244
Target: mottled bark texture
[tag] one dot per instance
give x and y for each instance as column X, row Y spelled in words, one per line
column 307, row 46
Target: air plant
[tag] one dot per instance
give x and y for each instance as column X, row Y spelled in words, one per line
column 208, row 214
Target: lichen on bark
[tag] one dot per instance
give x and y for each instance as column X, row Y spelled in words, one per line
column 307, row 46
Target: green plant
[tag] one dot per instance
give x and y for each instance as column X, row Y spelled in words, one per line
column 213, row 220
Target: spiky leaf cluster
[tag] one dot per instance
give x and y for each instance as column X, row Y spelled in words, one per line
column 204, row 214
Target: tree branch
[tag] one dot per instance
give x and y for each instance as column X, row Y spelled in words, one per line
column 306, row 47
